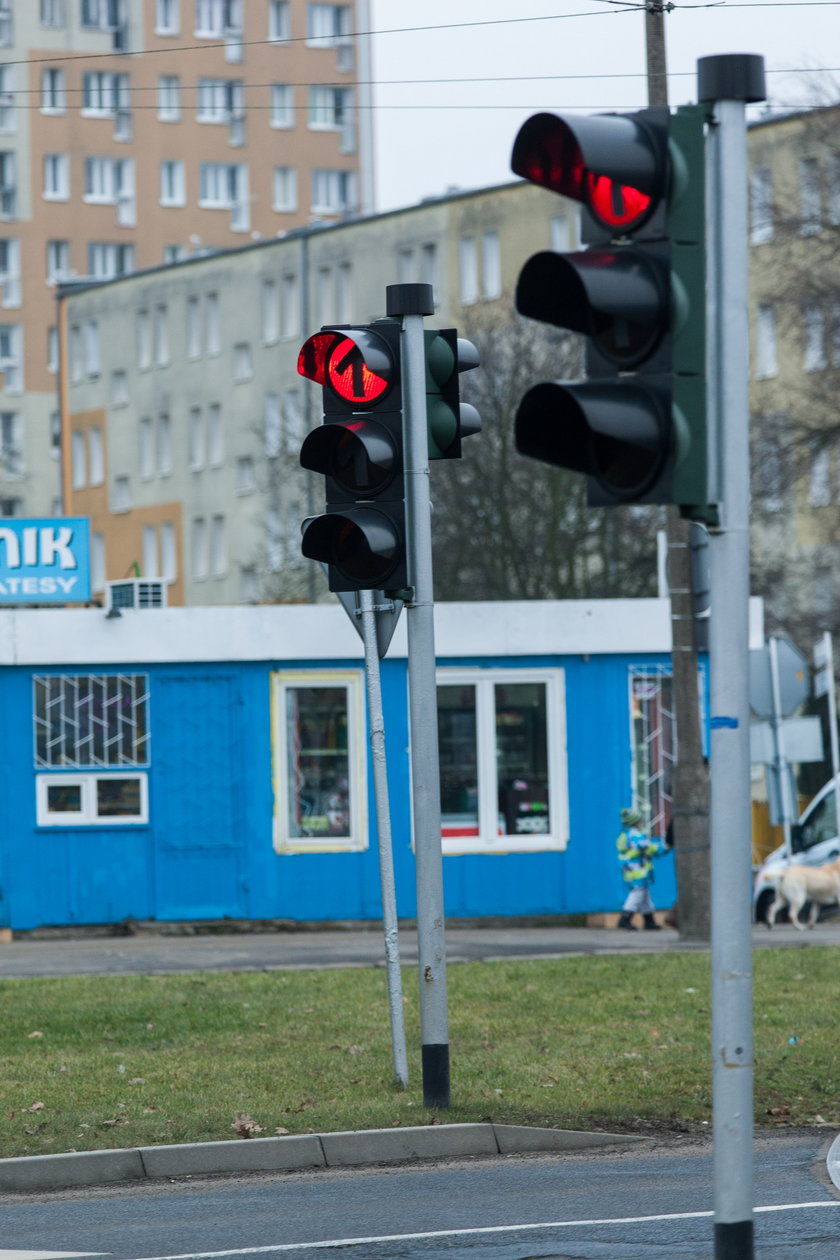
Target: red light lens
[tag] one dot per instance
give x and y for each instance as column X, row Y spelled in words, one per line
column 613, row 204
column 312, row 360
column 350, row 376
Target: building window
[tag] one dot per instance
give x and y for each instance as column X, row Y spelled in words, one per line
column 11, row 438
column 193, row 327
column 819, row 476
column 468, row 270
column 328, row 107
column 150, row 552
column 8, row 115
column 167, row 17
column 119, row 389
column 98, row 15
column 168, row 551
column 272, row 424
column 169, row 98
column 270, row 310
column 219, row 100
column 213, row 324
column 174, row 254
column 289, row 306
column 810, row 197
column 327, row 25
column 279, row 21
column 164, row 445
column 491, row 260
column 218, row 553
column 285, row 189
column 215, row 436
column 93, row 356
column 761, row 207
column 146, row 442
column 220, row 185
column 121, row 500
column 107, row 259
column 160, row 336
column 10, row 271
column 52, row 13
column 97, row 561
column 8, row 185
column 333, row 192
column 53, row 91
column 96, row 457
column 813, row 330
column 653, row 743
column 213, row 17
column 292, row 420
column 273, row 541
column 52, row 348
column 769, row 469
column 246, row 477
column 143, row 330
column 77, row 360
column 199, row 548
column 11, row 357
column 319, row 762
column 109, row 180
column 173, row 190
column 197, row 439
column 766, row 364
column 243, row 368
column 78, row 460
column 56, row 177
column 89, row 800
column 58, row 261
column 104, row 93
column 502, row 760
column 282, row 105
column 91, row 720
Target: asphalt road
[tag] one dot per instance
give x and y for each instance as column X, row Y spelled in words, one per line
column 268, row 951
column 651, row 1199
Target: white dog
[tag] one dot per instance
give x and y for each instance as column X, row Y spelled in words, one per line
column 818, row 884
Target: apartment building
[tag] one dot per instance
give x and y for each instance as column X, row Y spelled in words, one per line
column 137, row 133
column 795, row 366
column 183, row 412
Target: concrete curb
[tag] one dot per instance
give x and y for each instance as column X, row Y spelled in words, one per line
column 326, row 1150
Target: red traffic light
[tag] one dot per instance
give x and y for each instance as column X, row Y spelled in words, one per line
column 614, row 164
column 354, row 363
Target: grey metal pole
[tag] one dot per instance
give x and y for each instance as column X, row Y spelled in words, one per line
column 730, row 81
column 411, row 302
column 376, row 723
column 779, row 750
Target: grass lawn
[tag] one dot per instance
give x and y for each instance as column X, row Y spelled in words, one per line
column 618, row 1043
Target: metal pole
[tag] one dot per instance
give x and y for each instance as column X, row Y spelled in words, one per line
column 828, row 650
column 779, row 751
column 730, row 81
column 376, row 722
column 412, row 302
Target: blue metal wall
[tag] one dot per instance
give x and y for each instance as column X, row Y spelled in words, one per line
column 207, row 851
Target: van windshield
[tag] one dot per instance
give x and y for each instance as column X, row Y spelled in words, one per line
column 821, row 823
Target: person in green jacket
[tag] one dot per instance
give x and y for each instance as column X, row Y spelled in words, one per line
column 636, row 851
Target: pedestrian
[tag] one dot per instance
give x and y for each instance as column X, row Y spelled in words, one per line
column 636, row 851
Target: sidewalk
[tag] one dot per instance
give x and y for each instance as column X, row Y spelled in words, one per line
column 355, row 947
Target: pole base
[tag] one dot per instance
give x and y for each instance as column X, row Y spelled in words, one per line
column 734, row 1240
column 435, row 1060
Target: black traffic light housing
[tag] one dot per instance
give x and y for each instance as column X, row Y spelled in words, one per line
column 637, row 426
column 359, row 449
column 448, row 419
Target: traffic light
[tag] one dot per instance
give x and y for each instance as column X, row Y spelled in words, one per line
column 448, row 419
column 359, row 449
column 636, row 427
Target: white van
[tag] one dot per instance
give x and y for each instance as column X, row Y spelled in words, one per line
column 813, row 840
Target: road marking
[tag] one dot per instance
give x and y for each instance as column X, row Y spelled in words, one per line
column 474, row 1232
column 48, row 1255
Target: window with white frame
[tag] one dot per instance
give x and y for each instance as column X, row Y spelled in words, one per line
column 270, row 312
column 76, row 354
column 272, row 424
column 151, row 563
column 93, row 354
column 8, row 184
column 97, row 561
column 53, row 90
column 56, row 177
column 107, row 178
column 164, row 445
column 103, row 93
column 58, row 261
column 318, row 748
column 285, row 197
column 146, row 448
column 52, row 13
column 243, row 368
column 78, row 460
column 282, row 105
column 210, row 18
column 491, row 266
column 810, row 196
column 328, row 107
column 11, row 444
column 193, row 327
column 160, row 335
column 199, row 548
column 52, row 348
column 99, row 724
column 761, row 207
column 212, row 324
column 766, row 359
column 502, row 747
column 167, row 17
column 173, row 188
column 248, row 587
column 468, row 270
column 96, row 456
column 197, row 439
column 11, row 357
column 98, row 14
column 108, row 259
column 289, row 306
column 219, row 100
column 121, row 498
column 215, row 436
column 327, row 24
column 219, row 186
column 169, row 98
column 653, row 741
column 168, row 552
column 813, row 333
column 333, row 192
column 273, row 541
column 174, row 254
column 246, row 475
column 119, row 388
column 143, row 334
column 279, row 20
column 10, row 270
column 819, row 475
column 217, row 547
column 8, row 109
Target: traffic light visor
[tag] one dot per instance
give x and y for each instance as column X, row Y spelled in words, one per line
column 360, row 455
column 610, row 163
column 362, row 544
column 355, row 364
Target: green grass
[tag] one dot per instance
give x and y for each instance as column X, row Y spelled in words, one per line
column 607, row 1042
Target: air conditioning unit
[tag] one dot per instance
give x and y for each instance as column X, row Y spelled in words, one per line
column 137, row 593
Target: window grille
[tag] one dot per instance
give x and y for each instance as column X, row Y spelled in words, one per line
column 85, row 720
column 654, row 743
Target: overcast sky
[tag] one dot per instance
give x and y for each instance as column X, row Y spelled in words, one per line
column 581, row 54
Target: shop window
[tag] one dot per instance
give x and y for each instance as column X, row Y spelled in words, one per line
column 84, row 800
column 654, row 743
column 85, row 720
column 502, row 745
column 318, row 745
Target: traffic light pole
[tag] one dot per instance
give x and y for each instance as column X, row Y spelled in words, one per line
column 411, row 302
column 729, row 82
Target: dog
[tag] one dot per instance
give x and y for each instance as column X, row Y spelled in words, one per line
column 818, row 884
